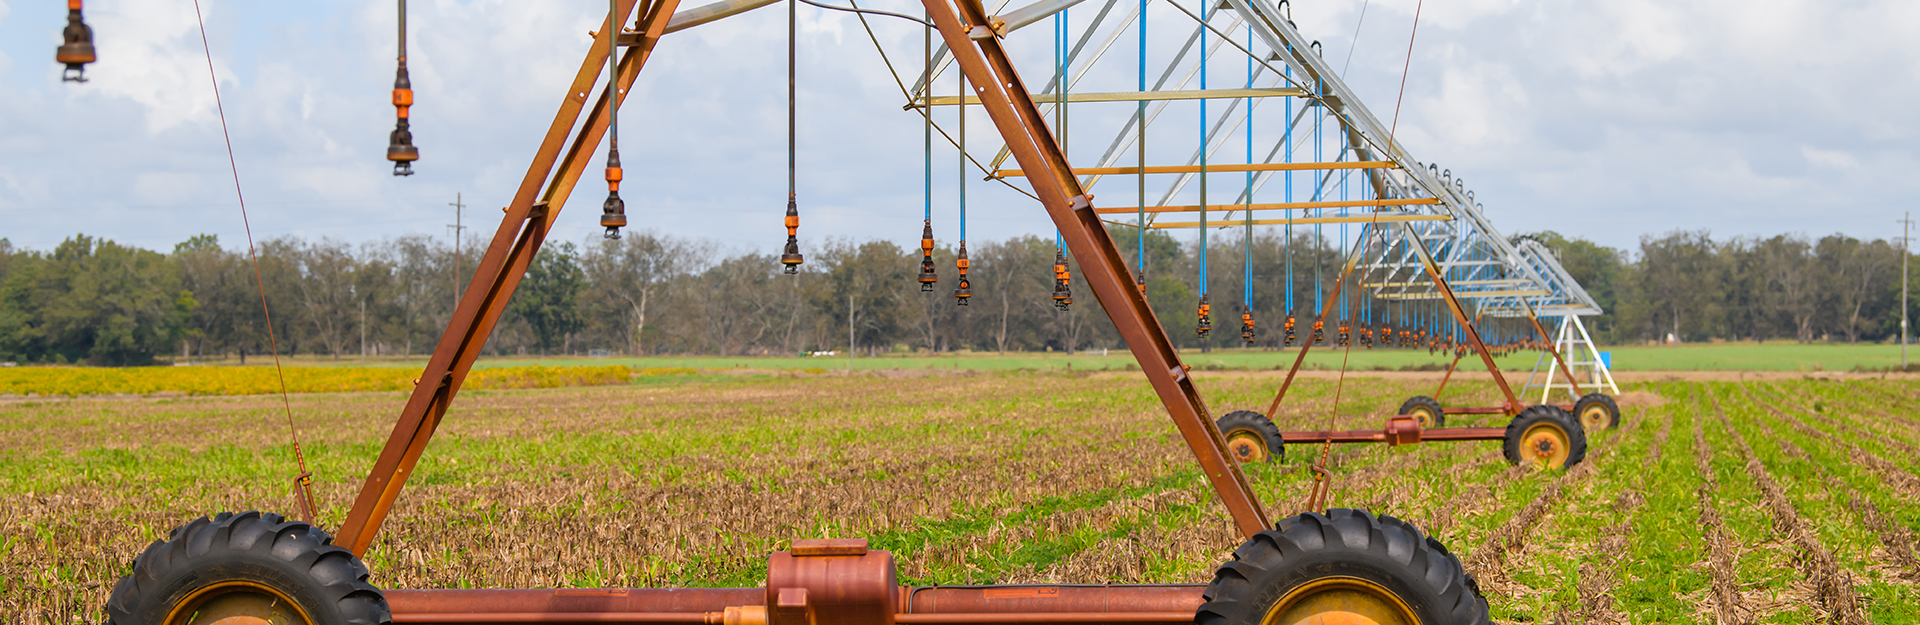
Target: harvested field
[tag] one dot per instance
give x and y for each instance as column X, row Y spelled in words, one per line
column 1775, row 500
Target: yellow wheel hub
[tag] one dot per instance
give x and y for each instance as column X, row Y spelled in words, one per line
column 1546, row 445
column 1594, row 417
column 237, row 602
column 1424, row 416
column 1340, row 601
column 1247, row 446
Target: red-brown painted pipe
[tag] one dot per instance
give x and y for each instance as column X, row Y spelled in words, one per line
column 1380, row 436
column 567, row 605
column 1463, row 434
column 1015, row 618
column 1052, row 599
column 969, row 605
column 1339, row 436
column 1474, row 410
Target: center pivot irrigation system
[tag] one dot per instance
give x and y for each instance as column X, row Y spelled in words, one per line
column 1427, row 269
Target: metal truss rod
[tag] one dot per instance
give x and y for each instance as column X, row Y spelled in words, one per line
column 1351, row 219
column 1187, row 169
column 522, row 229
column 1130, row 96
column 1032, row 144
column 1194, row 208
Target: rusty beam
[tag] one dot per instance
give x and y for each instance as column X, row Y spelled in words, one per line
column 1009, row 105
column 1438, row 276
column 1552, row 348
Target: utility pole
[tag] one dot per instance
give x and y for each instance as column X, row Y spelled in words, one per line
column 849, row 332
column 458, row 209
column 1906, row 243
column 363, row 331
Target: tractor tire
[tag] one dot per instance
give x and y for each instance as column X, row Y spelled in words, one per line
column 1597, row 412
column 1252, row 437
column 1546, row 436
column 1345, row 566
column 251, row 567
column 1426, row 410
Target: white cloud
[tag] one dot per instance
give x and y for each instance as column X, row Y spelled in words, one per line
column 1605, row 120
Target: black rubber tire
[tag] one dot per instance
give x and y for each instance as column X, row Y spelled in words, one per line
column 1576, row 435
column 1600, row 399
column 1431, row 405
column 1351, row 543
column 291, row 557
column 1256, row 423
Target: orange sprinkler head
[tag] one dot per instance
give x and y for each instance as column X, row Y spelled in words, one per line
column 927, row 274
column 1205, row 322
column 960, row 262
column 613, row 213
column 76, row 50
column 791, row 259
column 400, row 148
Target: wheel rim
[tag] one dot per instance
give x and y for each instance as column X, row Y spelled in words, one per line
column 1340, row 601
column 237, row 602
column 1594, row 417
column 1546, row 445
column 1246, row 446
column 1424, row 416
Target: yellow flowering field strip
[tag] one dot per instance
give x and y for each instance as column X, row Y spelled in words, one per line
column 79, row 381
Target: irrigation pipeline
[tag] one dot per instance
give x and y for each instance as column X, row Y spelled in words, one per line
column 304, row 481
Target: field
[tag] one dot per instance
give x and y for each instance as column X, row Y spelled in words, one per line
column 1785, row 500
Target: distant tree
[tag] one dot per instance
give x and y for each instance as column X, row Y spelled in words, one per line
column 630, row 273
column 866, row 281
column 92, row 300
column 548, row 297
column 1681, row 277
column 1857, row 272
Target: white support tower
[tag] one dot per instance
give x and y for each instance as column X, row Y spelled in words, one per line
column 1583, row 361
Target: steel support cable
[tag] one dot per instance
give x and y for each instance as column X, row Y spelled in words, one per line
column 926, row 111
column 857, row 9
column 304, row 481
column 1340, row 383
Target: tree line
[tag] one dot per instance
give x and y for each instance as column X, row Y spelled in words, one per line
column 99, row 302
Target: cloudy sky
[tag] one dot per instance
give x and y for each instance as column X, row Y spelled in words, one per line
column 1607, row 120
